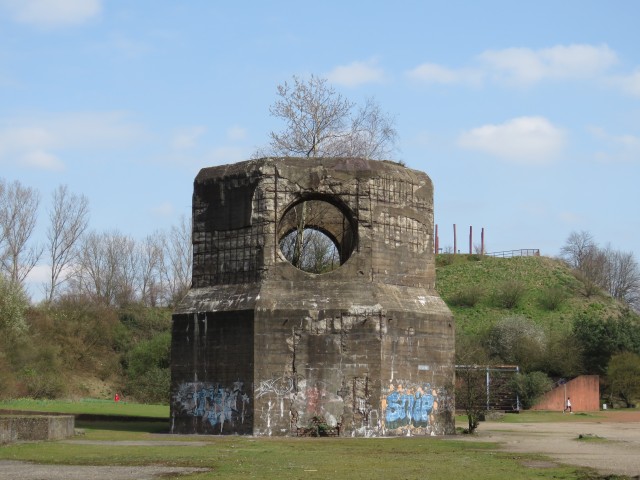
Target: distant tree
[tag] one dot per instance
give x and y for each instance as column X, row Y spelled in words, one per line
column 68, row 220
column 150, row 266
column 621, row 276
column 516, row 340
column 623, row 373
column 531, row 386
column 18, row 215
column 13, row 306
column 177, row 261
column 578, row 248
column 103, row 268
column 599, row 339
column 611, row 270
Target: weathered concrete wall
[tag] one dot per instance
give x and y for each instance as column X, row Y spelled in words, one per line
column 15, row 428
column 260, row 346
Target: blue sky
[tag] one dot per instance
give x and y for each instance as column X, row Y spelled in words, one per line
column 526, row 115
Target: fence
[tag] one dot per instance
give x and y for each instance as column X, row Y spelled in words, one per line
column 523, row 252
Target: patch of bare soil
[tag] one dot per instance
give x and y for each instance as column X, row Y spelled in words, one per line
column 609, row 444
column 14, row 470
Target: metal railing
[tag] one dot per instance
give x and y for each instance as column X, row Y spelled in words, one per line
column 523, row 252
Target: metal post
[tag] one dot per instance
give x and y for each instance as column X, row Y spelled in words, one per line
column 455, row 240
column 488, row 389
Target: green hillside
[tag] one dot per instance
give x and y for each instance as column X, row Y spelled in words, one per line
column 551, row 295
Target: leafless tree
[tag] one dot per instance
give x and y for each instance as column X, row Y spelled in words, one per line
column 319, row 122
column 177, row 261
column 18, row 216
column 578, row 249
column 315, row 116
column 150, row 265
column 621, row 276
column 614, row 271
column 68, row 220
column 102, row 268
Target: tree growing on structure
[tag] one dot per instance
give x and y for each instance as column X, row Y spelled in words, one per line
column 320, row 122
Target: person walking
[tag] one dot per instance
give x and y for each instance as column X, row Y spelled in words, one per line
column 567, row 405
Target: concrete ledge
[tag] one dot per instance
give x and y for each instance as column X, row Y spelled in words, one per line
column 15, row 428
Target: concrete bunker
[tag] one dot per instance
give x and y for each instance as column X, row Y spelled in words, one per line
column 262, row 346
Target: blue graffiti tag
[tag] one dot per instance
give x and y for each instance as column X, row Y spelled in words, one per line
column 409, row 408
column 214, row 403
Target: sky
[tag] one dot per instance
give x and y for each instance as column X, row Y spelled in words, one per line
column 526, row 115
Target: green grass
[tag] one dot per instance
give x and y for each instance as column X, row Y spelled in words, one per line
column 236, row 457
column 137, row 443
column 87, row 406
column 540, row 276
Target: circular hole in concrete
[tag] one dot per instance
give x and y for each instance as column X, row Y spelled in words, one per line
column 317, row 235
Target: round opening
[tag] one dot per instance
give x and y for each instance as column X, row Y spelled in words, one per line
column 316, row 235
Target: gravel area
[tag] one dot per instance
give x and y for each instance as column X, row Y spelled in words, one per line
column 611, row 444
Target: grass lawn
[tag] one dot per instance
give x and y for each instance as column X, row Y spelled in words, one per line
column 147, row 443
column 87, row 406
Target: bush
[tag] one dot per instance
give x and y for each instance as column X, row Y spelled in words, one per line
column 624, row 377
column 530, row 387
column 468, row 297
column 552, row 298
column 519, row 341
column 509, row 294
column 148, row 374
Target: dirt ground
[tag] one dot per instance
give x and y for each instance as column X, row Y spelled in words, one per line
column 610, row 444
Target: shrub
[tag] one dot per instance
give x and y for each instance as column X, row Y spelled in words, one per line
column 624, row 376
column 531, row 386
column 468, row 297
column 148, row 374
column 517, row 340
column 509, row 294
column 552, row 298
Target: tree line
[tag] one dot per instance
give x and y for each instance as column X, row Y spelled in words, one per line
column 109, row 267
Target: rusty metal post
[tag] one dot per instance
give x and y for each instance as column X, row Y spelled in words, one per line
column 471, row 240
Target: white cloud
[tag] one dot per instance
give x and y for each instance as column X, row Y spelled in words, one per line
column 619, row 148
column 38, row 141
column 628, row 83
column 42, row 160
column 432, row 73
column 236, row 133
column 165, row 209
column 52, row 13
column 524, row 66
column 187, row 138
column 523, row 140
column 356, row 73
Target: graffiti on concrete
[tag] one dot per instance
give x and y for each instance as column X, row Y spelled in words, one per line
column 214, row 403
column 409, row 406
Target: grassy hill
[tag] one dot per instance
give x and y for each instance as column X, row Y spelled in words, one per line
column 474, row 288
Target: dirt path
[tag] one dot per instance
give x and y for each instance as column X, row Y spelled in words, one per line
column 611, row 443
